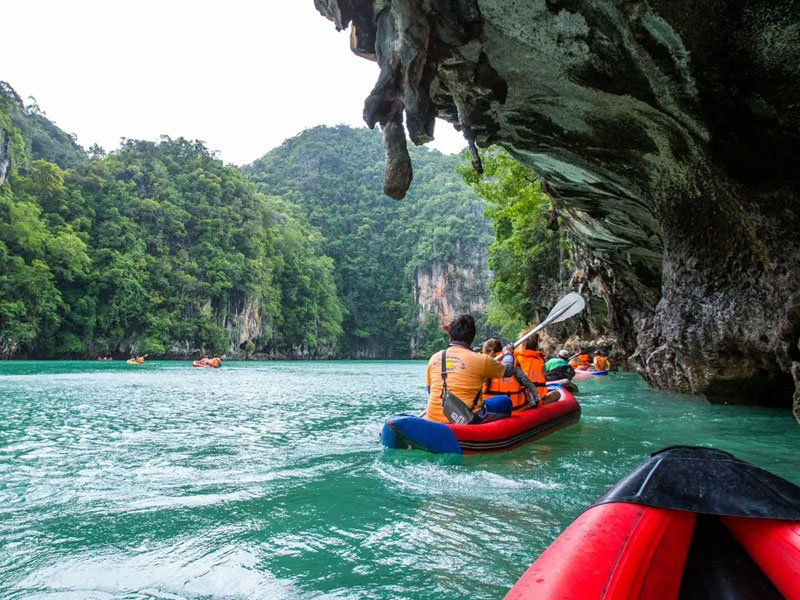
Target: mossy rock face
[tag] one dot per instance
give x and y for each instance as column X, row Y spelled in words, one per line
column 669, row 135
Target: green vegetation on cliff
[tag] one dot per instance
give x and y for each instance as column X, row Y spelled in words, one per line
column 386, row 254
column 159, row 248
column 526, row 256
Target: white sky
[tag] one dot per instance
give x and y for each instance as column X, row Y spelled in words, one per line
column 241, row 75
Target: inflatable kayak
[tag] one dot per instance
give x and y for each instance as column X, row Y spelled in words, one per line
column 200, row 365
column 589, row 372
column 406, row 431
column 133, row 362
column 688, row 524
column 565, row 383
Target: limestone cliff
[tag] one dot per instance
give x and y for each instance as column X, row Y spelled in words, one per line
column 447, row 290
column 668, row 134
column 5, row 155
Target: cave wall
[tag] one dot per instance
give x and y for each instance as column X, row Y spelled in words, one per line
column 668, row 134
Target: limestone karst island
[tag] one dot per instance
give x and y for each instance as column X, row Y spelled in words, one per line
column 559, row 360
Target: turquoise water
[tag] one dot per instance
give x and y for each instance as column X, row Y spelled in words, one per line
column 267, row 480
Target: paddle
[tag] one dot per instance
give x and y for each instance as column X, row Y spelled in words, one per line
column 569, row 306
column 589, row 350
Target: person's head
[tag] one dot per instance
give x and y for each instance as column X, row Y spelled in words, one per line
column 598, row 353
column 564, row 353
column 532, row 343
column 492, row 346
column 462, row 329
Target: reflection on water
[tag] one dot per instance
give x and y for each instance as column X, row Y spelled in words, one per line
column 266, row 480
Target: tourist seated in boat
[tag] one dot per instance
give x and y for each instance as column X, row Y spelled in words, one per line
column 492, row 347
column 521, row 391
column 466, row 371
column 580, row 359
column 205, row 360
column 530, row 360
column 601, row 363
column 557, row 368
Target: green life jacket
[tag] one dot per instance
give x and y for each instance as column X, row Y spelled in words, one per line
column 553, row 363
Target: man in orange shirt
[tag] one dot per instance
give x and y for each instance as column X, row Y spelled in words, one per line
column 601, row 363
column 466, row 373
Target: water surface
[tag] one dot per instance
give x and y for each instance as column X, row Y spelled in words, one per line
column 267, row 480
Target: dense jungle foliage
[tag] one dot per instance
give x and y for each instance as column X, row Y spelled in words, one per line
column 528, row 255
column 160, row 249
column 157, row 248
column 383, row 250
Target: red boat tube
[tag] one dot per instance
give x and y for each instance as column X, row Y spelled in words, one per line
column 631, row 552
column 405, row 431
column 688, row 524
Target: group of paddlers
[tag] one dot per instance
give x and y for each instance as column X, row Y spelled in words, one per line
column 493, row 382
column 205, row 361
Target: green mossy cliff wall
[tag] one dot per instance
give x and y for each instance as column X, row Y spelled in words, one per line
column 668, row 134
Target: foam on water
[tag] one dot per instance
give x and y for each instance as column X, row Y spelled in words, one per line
column 267, row 480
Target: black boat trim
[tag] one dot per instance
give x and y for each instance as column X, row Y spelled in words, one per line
column 528, row 435
column 706, row 481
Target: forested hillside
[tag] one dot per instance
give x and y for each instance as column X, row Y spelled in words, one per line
column 160, row 249
column 157, row 248
column 398, row 266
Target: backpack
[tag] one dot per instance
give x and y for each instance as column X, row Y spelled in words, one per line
column 454, row 409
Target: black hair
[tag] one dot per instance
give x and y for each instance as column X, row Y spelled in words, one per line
column 462, row 329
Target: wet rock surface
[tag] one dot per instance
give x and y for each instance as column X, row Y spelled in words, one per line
column 668, row 135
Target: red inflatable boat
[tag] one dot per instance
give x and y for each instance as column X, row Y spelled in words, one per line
column 406, row 431
column 688, row 524
column 200, row 365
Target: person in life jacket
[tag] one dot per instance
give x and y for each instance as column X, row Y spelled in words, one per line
column 466, row 373
column 601, row 363
column 558, row 368
column 531, row 361
column 580, row 359
column 492, row 347
column 513, row 386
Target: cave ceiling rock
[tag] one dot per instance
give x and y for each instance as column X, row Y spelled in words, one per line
column 668, row 133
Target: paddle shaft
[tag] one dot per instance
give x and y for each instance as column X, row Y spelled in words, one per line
column 553, row 316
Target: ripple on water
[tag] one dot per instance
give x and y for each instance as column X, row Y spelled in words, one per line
column 266, row 480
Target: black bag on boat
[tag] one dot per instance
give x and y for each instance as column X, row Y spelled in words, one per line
column 453, row 407
column 561, row 372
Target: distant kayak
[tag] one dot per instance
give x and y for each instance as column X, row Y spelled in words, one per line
column 580, row 372
column 688, row 523
column 201, row 365
column 409, row 432
column 133, row 361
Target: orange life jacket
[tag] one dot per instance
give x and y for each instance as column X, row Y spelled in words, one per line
column 507, row 386
column 582, row 360
column 532, row 363
column 601, row 363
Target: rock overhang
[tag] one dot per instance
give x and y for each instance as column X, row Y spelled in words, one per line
column 665, row 132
